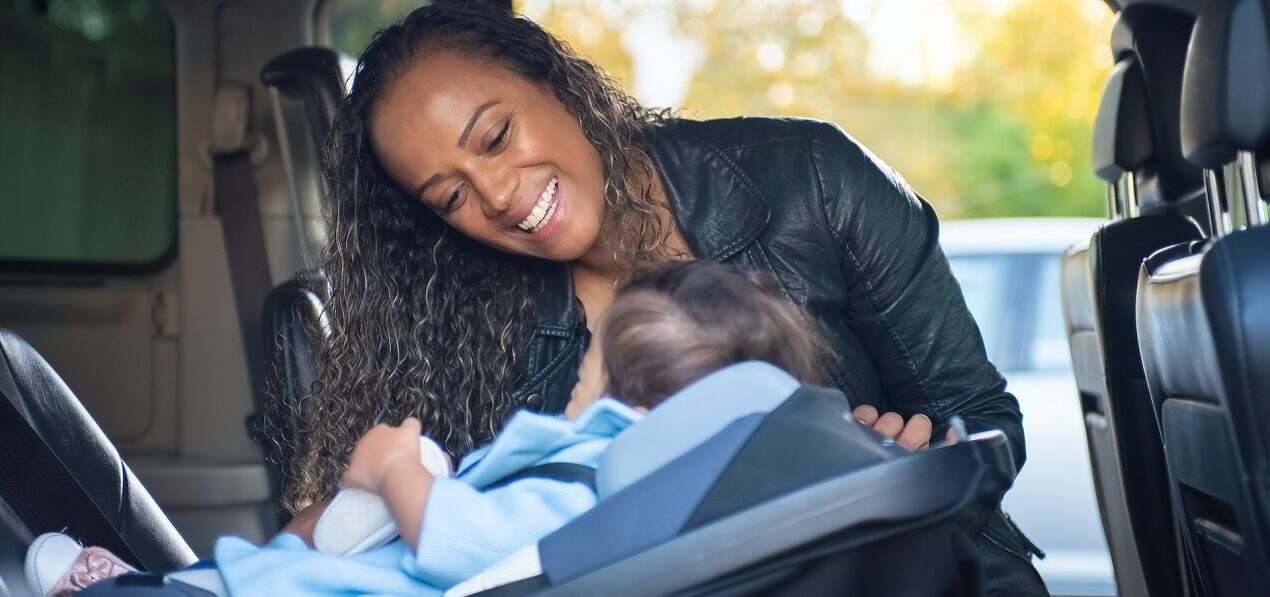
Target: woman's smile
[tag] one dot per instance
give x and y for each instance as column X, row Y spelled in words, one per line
column 522, row 177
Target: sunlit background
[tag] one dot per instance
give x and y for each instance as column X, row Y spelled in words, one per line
column 985, row 106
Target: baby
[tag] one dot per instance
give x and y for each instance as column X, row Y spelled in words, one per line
column 668, row 327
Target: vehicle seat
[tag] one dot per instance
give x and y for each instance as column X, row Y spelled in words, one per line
column 732, row 506
column 292, row 312
column 1136, row 152
column 294, row 308
column 60, row 473
column 1204, row 313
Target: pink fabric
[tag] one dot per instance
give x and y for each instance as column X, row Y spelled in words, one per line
column 93, row 565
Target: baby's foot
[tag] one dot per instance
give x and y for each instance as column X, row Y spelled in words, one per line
column 57, row 565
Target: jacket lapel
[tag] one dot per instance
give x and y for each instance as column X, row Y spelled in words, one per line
column 718, row 208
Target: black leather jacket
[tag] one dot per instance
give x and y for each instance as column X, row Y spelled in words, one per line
column 848, row 240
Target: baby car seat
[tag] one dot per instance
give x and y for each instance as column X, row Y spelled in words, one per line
column 748, row 483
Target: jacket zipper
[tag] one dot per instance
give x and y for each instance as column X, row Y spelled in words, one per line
column 993, row 541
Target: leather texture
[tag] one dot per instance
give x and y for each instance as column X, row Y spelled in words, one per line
column 1156, row 38
column 1225, row 107
column 290, row 310
column 1122, row 130
column 847, row 239
column 82, row 485
column 1099, row 290
column 1205, row 339
column 852, row 244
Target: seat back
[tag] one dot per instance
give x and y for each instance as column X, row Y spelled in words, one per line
column 1136, row 152
column 294, row 309
column 292, row 312
column 746, row 511
column 62, row 474
column 1203, row 308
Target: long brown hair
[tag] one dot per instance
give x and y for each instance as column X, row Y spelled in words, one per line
column 423, row 320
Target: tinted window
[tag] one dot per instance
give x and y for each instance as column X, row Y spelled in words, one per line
column 88, row 123
column 1049, row 348
column 984, row 281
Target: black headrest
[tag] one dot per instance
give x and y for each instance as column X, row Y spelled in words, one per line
column 1122, row 131
column 1149, row 44
column 1226, row 89
column 311, row 75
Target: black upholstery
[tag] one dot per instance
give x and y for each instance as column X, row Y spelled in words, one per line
column 1122, row 130
column 83, row 486
column 1224, row 100
column 311, row 75
column 1156, row 38
column 1202, row 320
column 1099, row 280
column 1099, row 285
column 1204, row 328
column 291, row 312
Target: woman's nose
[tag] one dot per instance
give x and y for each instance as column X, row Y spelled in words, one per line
column 497, row 189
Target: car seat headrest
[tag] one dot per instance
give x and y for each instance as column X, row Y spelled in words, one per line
column 1225, row 94
column 690, row 417
column 313, row 76
column 1155, row 38
column 1122, row 130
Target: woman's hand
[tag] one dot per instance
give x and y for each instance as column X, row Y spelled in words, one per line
column 305, row 520
column 381, row 450
column 912, row 436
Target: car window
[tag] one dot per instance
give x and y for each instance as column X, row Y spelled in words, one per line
column 88, row 121
column 984, row 283
column 1049, row 349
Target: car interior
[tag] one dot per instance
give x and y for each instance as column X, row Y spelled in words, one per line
column 141, row 385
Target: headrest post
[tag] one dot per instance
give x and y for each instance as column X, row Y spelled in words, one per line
column 1129, row 193
column 1216, row 210
column 1113, row 202
column 1254, row 203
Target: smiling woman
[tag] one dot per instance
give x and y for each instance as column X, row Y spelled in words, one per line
column 490, row 190
column 516, row 160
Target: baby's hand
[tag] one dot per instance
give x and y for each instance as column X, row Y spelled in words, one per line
column 381, row 450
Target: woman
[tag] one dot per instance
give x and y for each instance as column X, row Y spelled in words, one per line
column 489, row 189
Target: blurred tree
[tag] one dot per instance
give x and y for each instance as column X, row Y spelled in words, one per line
column 990, row 119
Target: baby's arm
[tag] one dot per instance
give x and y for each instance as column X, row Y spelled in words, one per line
column 386, row 462
column 405, row 490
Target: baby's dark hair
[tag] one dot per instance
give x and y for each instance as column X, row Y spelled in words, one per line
column 673, row 324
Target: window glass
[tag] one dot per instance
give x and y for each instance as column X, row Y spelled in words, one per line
column 88, row 123
column 984, row 280
column 1049, row 350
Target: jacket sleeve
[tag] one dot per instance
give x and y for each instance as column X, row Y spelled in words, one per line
column 903, row 302
column 466, row 530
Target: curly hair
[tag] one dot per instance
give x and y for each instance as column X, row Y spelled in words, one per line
column 424, row 321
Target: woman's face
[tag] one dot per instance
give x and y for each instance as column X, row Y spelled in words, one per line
column 498, row 157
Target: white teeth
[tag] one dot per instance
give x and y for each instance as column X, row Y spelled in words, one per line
column 542, row 210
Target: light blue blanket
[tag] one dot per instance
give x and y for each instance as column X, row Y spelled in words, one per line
column 465, row 530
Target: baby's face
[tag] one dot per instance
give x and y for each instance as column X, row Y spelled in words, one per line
column 591, row 382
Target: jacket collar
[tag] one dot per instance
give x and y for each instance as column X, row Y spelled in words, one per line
column 716, row 204
column 718, row 208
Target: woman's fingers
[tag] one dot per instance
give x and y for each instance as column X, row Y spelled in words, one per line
column 865, row 414
column 889, row 425
column 916, row 434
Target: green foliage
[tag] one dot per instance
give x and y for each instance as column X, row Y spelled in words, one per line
column 1006, row 134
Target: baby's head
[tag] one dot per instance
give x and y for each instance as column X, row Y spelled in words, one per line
column 676, row 323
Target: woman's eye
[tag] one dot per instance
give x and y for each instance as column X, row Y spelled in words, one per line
column 501, row 138
column 452, row 203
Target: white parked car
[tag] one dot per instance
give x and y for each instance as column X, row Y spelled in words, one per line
column 1009, row 273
